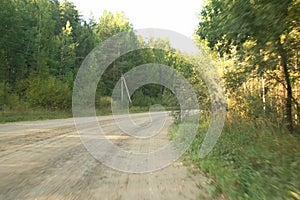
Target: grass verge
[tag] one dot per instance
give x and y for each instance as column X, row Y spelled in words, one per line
column 32, row 115
column 252, row 160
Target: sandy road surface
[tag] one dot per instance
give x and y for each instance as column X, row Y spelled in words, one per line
column 46, row 160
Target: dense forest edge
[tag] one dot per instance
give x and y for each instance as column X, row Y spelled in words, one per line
column 255, row 46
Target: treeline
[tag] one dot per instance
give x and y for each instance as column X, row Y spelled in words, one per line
column 44, row 42
column 257, row 43
column 41, row 47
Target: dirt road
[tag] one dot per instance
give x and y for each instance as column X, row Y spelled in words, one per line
column 46, row 160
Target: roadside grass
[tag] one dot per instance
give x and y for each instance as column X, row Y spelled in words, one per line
column 251, row 160
column 103, row 112
column 10, row 115
column 178, row 134
column 132, row 110
column 34, row 114
column 137, row 109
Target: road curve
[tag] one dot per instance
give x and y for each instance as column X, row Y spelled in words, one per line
column 46, row 160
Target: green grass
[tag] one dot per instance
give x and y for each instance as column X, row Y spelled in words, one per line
column 103, row 112
column 252, row 160
column 32, row 115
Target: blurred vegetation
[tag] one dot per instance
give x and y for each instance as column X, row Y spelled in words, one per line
column 43, row 44
column 252, row 160
column 26, row 114
column 257, row 44
column 256, row 47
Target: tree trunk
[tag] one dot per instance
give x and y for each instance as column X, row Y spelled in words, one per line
column 288, row 103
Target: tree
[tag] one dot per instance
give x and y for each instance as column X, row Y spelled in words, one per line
column 110, row 24
column 253, row 32
column 40, row 39
column 67, row 53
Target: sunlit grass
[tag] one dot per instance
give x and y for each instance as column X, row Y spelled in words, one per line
column 252, row 160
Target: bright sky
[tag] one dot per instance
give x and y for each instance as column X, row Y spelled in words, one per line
column 175, row 15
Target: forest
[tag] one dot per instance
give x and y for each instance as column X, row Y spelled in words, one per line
column 255, row 45
column 43, row 44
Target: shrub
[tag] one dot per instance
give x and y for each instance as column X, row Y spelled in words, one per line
column 49, row 93
column 7, row 98
column 104, row 102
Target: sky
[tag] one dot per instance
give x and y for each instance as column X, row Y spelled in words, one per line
column 175, row 15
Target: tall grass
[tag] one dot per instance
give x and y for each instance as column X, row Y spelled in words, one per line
column 252, row 160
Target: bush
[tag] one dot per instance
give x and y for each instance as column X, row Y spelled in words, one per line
column 139, row 99
column 104, row 102
column 49, row 93
column 169, row 100
column 7, row 98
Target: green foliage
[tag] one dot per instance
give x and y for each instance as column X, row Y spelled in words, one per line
column 8, row 100
column 103, row 105
column 169, row 100
column 104, row 102
column 40, row 39
column 29, row 114
column 142, row 100
column 49, row 93
column 111, row 24
column 261, row 38
column 252, row 160
column 149, row 95
column 43, row 44
column 257, row 44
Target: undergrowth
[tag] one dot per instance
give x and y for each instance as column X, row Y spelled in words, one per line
column 252, row 160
